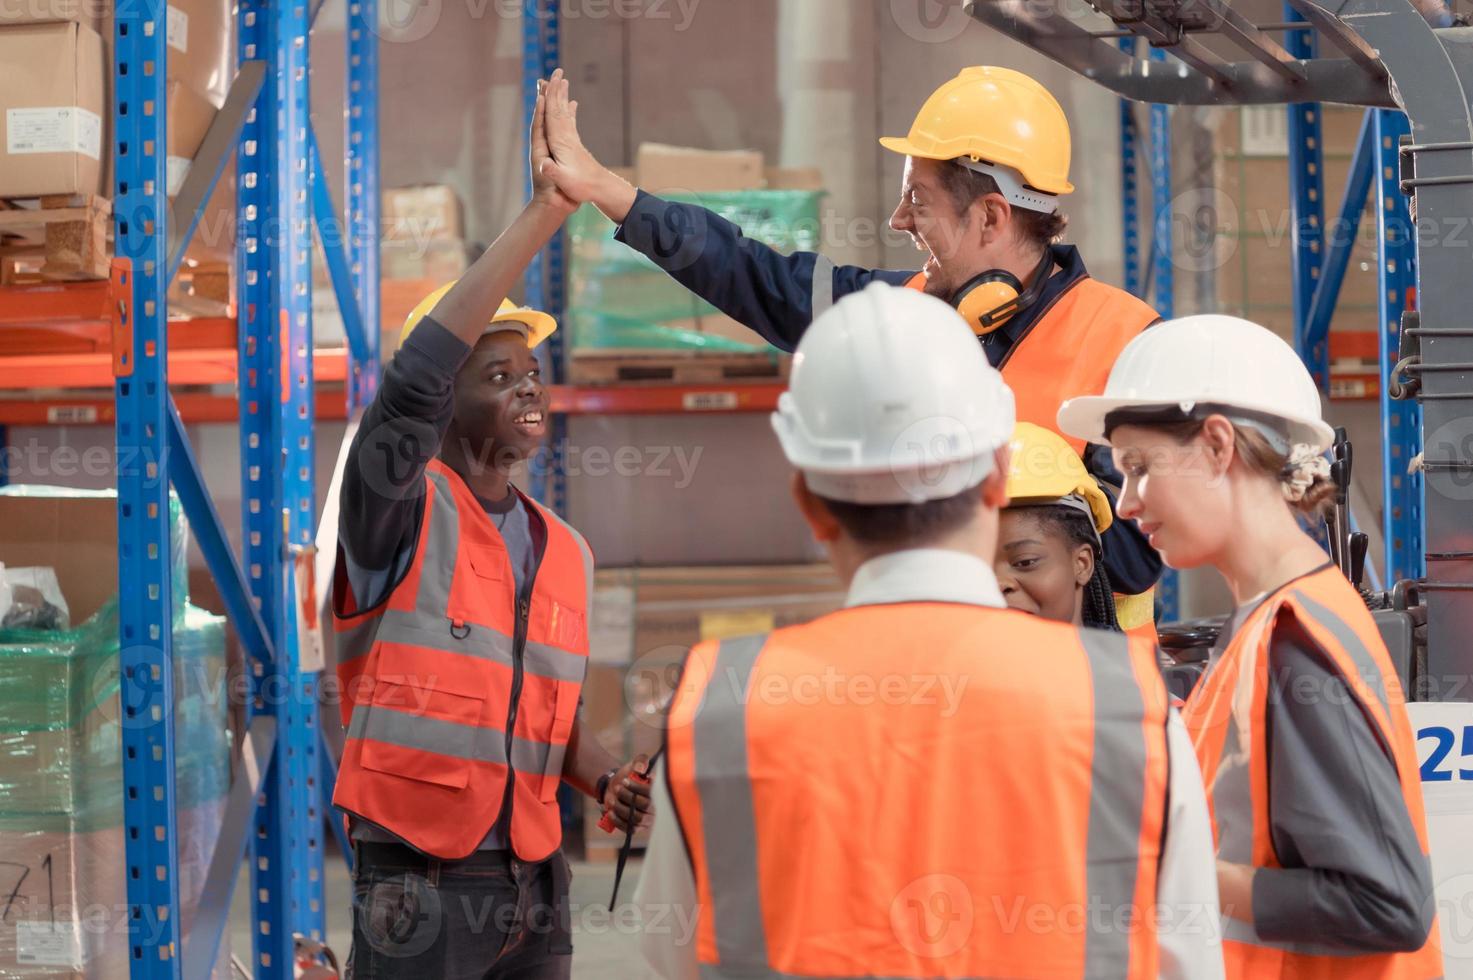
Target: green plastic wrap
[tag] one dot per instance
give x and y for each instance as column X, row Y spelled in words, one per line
column 618, row 298
column 60, row 740
column 62, row 853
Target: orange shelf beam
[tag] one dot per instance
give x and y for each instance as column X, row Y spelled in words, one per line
column 207, row 366
column 627, row 399
column 92, row 409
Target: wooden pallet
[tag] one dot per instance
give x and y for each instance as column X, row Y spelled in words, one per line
column 674, row 367
column 55, row 238
column 202, row 290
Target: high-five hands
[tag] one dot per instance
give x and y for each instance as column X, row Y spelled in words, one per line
column 575, row 171
column 545, row 190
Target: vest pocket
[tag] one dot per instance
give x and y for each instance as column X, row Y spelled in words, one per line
column 422, row 732
column 564, row 714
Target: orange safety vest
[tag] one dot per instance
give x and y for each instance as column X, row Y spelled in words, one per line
column 433, row 677
column 1069, row 349
column 893, row 791
column 1067, row 353
column 1227, row 716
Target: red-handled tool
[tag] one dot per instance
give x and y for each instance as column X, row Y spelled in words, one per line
column 606, row 824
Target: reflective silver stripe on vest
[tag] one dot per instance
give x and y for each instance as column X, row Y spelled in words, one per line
column 356, row 640
column 1351, row 643
column 1117, row 793
column 443, row 543
column 1232, row 800
column 482, row 642
column 410, row 731
column 728, row 816
column 823, row 285
column 433, row 598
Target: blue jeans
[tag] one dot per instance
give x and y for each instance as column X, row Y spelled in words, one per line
column 488, row 917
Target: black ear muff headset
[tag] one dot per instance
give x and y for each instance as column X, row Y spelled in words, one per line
column 989, row 300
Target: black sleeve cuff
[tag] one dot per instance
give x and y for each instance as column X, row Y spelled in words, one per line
column 644, row 203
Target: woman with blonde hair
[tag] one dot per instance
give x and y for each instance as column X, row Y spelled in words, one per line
column 1299, row 724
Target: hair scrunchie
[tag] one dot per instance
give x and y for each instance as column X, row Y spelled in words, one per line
column 1304, row 466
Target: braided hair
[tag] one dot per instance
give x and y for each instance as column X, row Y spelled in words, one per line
column 1077, row 528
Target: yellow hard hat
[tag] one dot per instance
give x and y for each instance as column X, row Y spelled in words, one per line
column 535, row 325
column 994, row 115
column 1045, row 469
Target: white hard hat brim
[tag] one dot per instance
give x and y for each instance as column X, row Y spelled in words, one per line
column 1084, row 418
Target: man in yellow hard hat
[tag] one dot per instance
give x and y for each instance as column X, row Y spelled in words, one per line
column 987, row 161
column 461, row 609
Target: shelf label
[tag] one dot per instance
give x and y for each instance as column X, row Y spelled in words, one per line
column 709, row 401
column 71, row 414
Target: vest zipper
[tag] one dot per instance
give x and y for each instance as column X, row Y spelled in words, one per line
column 519, row 643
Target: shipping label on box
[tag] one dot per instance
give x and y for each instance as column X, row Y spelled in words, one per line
column 177, row 30
column 53, row 129
column 50, row 944
column 178, row 169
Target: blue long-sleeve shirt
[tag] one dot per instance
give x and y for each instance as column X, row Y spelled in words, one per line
column 778, row 295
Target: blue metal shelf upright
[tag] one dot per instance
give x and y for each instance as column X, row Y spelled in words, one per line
column 277, row 803
column 1163, row 282
column 1321, row 255
column 545, row 285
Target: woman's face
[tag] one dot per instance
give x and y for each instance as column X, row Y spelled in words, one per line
column 1039, row 570
column 1176, row 492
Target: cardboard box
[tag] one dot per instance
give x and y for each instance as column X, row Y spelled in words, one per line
column 420, row 214
column 439, row 260
column 214, row 238
column 90, row 13
column 200, row 43
column 54, row 108
column 189, row 117
column 794, row 178
column 77, row 536
column 664, row 169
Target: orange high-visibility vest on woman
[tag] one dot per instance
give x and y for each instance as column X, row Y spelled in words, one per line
column 1069, row 349
column 1227, row 716
column 455, row 676
column 995, row 809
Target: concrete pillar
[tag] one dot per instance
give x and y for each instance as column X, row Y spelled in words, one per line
column 826, row 82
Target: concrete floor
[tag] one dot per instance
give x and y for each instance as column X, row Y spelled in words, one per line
column 601, row 949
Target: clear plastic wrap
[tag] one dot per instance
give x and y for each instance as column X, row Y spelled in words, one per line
column 63, row 901
column 617, row 298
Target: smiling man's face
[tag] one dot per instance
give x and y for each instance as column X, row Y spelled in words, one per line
column 500, row 404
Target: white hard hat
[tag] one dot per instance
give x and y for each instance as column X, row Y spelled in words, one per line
column 892, row 401
column 1210, row 362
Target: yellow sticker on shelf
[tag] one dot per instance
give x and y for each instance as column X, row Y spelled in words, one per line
column 720, row 625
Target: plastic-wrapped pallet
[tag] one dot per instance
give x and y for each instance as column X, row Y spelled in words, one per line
column 618, row 299
column 61, row 790
column 63, row 900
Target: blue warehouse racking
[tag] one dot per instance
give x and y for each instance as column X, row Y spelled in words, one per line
column 278, row 802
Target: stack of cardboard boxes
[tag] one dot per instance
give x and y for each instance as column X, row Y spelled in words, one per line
column 56, row 111
column 422, row 247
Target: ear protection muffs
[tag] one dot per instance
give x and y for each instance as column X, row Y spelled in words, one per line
column 989, row 300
